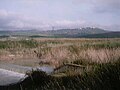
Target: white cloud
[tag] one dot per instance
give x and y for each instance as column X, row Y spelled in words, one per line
column 3, row 13
column 106, row 6
column 33, row 2
column 14, row 21
column 10, row 20
column 18, row 21
column 101, row 6
column 68, row 22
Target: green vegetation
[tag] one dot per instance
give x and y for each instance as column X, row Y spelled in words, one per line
column 100, row 57
column 28, row 43
column 106, row 45
column 103, row 35
column 17, row 44
column 58, row 51
column 102, row 77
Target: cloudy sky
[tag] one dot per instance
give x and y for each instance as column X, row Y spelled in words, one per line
column 45, row 14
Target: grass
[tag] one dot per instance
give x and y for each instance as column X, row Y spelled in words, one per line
column 59, row 51
column 100, row 56
column 105, row 76
column 18, row 44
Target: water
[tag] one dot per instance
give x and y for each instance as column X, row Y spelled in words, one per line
column 10, row 73
column 47, row 69
column 8, row 77
column 23, row 69
column 15, row 68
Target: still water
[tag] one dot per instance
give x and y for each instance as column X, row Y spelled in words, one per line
column 14, row 73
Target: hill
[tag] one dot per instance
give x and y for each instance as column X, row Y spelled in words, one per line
column 52, row 33
column 103, row 35
column 5, row 33
column 71, row 32
column 87, row 32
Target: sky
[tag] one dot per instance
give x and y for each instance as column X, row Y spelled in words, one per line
column 45, row 14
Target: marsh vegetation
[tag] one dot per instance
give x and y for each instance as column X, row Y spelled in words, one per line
column 101, row 57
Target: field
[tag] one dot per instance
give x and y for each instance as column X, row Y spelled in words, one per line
column 101, row 57
column 55, row 52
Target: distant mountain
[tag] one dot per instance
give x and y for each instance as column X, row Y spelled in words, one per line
column 87, row 32
column 72, row 32
column 5, row 33
column 82, row 31
column 103, row 35
column 19, row 32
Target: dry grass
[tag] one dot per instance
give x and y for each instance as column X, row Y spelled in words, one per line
column 102, row 55
column 59, row 51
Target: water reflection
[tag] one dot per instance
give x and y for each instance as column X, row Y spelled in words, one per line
column 47, row 69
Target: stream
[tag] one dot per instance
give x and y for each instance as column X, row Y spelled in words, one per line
column 10, row 73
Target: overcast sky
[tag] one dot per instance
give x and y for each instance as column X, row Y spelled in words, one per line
column 44, row 14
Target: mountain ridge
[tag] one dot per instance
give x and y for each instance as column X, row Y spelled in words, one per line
column 87, row 32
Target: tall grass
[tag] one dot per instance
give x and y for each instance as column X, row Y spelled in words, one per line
column 59, row 51
column 105, row 76
column 100, row 55
column 18, row 44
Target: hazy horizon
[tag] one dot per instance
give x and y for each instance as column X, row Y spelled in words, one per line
column 45, row 14
column 54, row 29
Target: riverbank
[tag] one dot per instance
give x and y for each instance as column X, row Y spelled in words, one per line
column 8, row 77
column 104, row 76
column 10, row 73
